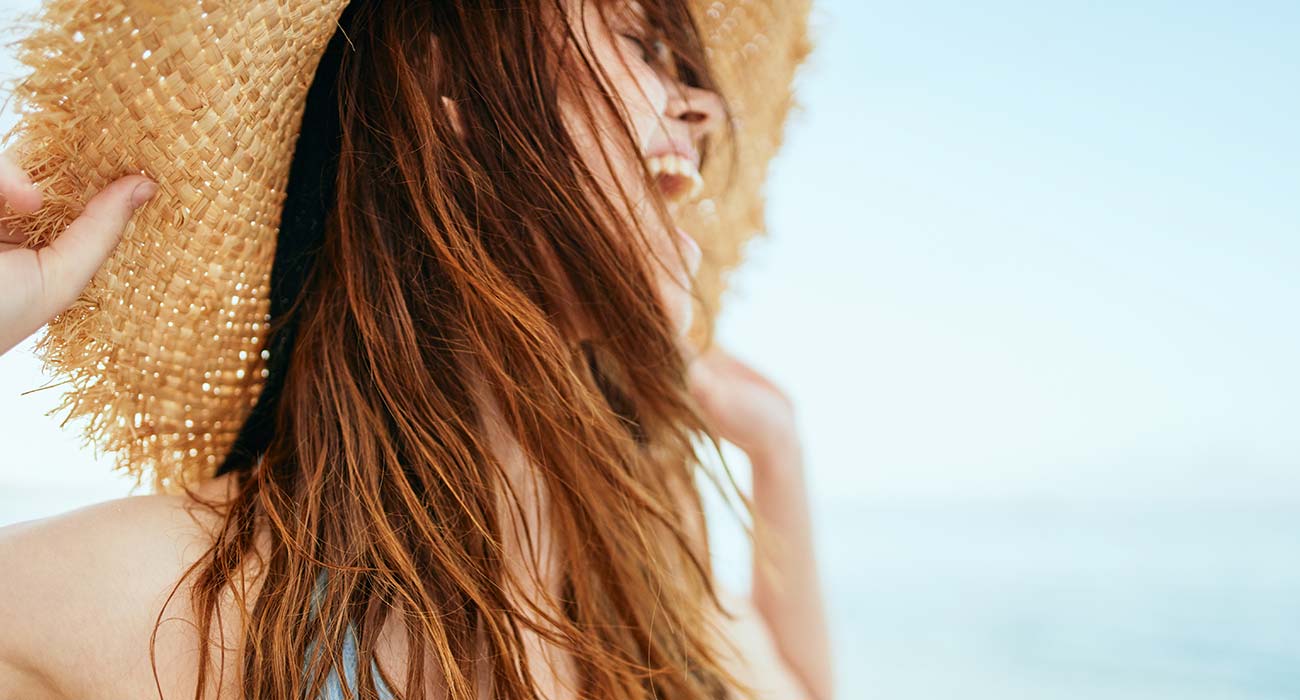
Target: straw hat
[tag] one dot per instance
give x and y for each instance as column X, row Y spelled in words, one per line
column 164, row 355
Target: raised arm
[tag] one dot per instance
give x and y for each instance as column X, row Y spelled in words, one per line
column 751, row 412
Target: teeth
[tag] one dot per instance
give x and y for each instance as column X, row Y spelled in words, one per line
column 674, row 164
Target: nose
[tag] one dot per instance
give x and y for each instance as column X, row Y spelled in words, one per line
column 702, row 110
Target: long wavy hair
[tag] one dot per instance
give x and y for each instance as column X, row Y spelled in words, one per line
column 454, row 259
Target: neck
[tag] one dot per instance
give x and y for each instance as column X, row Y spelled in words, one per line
column 523, row 501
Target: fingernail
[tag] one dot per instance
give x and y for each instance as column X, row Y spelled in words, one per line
column 142, row 193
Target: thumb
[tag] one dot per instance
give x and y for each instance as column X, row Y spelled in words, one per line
column 68, row 263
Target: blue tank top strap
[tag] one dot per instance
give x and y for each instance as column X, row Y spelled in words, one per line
column 333, row 689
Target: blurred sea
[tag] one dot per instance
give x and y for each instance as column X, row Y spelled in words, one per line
column 1068, row 602
column 973, row 601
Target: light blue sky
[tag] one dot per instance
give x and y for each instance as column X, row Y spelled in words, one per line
column 1041, row 251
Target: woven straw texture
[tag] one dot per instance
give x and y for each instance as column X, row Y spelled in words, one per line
column 162, row 357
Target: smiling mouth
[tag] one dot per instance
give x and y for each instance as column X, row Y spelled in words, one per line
column 676, row 176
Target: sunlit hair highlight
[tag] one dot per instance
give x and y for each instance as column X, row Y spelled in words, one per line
column 461, row 257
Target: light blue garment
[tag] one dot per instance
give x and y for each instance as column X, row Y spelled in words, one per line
column 333, row 689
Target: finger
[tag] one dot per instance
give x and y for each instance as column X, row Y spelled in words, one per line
column 687, row 347
column 69, row 262
column 724, row 361
column 725, row 358
column 16, row 188
column 8, row 235
column 746, row 370
column 700, row 379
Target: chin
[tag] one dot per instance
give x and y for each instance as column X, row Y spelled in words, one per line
column 682, row 319
column 680, row 305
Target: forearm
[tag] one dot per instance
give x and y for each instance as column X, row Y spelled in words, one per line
column 786, row 585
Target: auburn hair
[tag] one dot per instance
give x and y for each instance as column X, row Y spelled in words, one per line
column 456, row 256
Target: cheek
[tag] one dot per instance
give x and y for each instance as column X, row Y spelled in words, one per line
column 645, row 98
column 636, row 85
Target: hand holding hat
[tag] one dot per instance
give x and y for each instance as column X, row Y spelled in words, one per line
column 41, row 282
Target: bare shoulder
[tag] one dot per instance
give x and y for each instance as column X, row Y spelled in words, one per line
column 80, row 592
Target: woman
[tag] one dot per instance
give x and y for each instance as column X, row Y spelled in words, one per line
column 472, row 472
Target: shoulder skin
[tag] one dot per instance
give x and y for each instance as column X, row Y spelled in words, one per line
column 80, row 594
